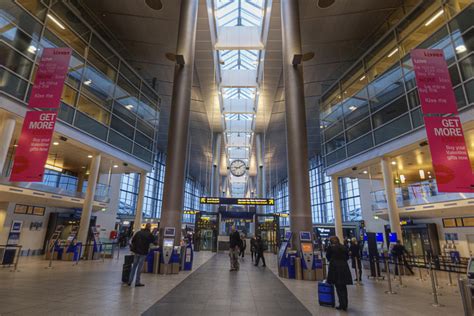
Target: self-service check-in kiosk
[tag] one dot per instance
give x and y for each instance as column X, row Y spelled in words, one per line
column 167, row 250
column 466, row 287
column 187, row 256
column 283, row 260
column 307, row 256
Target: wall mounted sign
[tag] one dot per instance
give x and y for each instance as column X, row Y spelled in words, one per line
column 449, row 154
column 50, row 76
column 235, row 201
column 33, row 146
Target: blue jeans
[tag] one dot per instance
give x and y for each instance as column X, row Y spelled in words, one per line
column 138, row 261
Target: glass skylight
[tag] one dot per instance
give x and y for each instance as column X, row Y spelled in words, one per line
column 239, row 12
column 238, row 59
column 239, row 93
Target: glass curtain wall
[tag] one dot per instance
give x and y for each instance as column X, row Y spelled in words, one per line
column 377, row 100
column 321, row 197
column 103, row 96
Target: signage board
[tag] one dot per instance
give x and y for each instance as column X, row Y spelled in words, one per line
column 433, row 81
column 33, row 146
column 449, row 154
column 50, row 76
column 236, row 201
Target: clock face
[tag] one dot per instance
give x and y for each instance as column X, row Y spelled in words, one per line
column 238, row 168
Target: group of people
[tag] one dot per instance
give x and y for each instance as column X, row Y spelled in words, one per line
column 237, row 246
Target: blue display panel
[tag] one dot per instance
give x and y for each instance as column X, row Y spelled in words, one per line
column 305, row 236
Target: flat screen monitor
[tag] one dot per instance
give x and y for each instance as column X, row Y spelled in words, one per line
column 169, row 232
column 288, row 235
column 471, row 266
column 305, row 236
column 306, row 247
column 392, row 237
column 379, row 237
column 168, row 242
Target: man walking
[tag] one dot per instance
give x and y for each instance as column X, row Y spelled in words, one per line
column 260, row 248
column 234, row 250
column 140, row 246
column 400, row 252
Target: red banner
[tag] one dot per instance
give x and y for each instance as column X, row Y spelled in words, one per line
column 449, row 154
column 33, row 146
column 49, row 80
column 433, row 81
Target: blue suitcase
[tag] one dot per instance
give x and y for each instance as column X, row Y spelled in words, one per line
column 326, row 294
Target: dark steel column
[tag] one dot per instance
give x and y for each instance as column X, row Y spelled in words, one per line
column 173, row 191
column 296, row 137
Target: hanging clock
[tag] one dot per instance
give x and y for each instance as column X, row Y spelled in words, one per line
column 238, row 168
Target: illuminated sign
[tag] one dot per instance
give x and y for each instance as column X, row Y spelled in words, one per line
column 191, row 212
column 282, row 214
column 235, row 201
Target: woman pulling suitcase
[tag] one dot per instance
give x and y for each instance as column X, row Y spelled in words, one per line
column 339, row 273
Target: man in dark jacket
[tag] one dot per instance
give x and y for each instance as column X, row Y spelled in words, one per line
column 260, row 248
column 399, row 253
column 355, row 252
column 339, row 273
column 234, row 249
column 140, row 245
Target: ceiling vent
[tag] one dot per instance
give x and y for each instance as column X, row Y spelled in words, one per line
column 324, row 4
column 154, row 4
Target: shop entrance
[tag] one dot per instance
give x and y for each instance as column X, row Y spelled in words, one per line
column 205, row 235
column 268, row 227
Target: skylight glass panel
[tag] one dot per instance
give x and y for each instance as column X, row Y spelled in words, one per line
column 239, row 12
column 238, row 59
column 239, row 93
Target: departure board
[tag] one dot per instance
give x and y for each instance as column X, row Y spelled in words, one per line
column 235, row 201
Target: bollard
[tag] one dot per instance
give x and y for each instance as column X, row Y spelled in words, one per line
column 435, row 293
column 50, row 265
column 450, row 279
column 388, row 278
column 400, row 268
column 436, row 280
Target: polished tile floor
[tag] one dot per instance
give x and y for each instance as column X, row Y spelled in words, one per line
column 94, row 288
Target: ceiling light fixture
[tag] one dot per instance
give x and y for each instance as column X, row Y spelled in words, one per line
column 392, row 52
column 59, row 24
column 394, row 163
column 422, row 174
column 89, row 156
column 55, row 143
column 353, row 108
column 88, row 82
column 402, row 178
column 365, row 172
column 461, row 49
column 434, row 17
column 115, row 166
column 32, row 49
column 362, row 78
column 129, row 106
column 51, row 167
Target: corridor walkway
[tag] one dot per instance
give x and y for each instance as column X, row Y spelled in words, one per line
column 213, row 290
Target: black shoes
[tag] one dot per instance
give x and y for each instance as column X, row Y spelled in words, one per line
column 139, row 284
column 341, row 308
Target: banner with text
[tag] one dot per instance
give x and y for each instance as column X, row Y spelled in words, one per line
column 33, row 146
column 49, row 80
column 433, row 81
column 449, row 154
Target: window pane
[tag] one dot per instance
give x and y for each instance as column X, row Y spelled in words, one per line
column 93, row 110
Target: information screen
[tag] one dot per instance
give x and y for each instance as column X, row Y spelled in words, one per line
column 235, row 201
column 306, row 247
column 288, row 235
column 168, row 243
column 471, row 266
column 305, row 236
column 169, row 231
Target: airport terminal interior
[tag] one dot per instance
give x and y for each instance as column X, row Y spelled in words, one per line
column 236, row 157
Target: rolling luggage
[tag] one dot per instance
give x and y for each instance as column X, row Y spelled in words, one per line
column 326, row 294
column 127, row 267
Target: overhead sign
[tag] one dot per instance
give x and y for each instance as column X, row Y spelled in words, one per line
column 33, row 146
column 50, row 76
column 433, row 81
column 449, row 154
column 235, row 201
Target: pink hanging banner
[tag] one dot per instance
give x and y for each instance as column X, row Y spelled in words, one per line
column 433, row 81
column 449, row 154
column 49, row 80
column 33, row 146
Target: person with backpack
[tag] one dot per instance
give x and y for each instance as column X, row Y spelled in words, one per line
column 339, row 273
column 140, row 246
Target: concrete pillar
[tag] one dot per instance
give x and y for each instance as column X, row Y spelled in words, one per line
column 173, row 191
column 260, row 173
column 216, row 162
column 89, row 199
column 140, row 202
column 296, row 137
column 6, row 135
column 336, row 202
column 392, row 208
column 80, row 182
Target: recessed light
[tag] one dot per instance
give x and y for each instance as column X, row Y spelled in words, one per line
column 16, row 145
column 394, row 163
column 55, row 143
column 83, row 167
column 115, row 166
column 365, row 172
column 89, row 156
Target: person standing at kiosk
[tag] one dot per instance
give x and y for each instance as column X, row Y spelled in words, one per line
column 140, row 246
column 234, row 250
column 339, row 273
